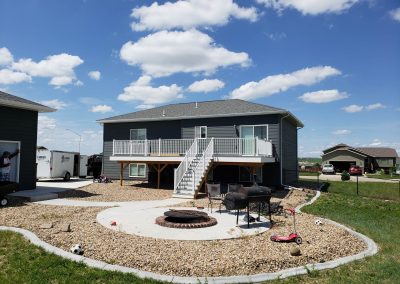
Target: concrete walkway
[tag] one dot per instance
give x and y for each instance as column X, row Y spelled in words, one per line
column 48, row 190
column 337, row 177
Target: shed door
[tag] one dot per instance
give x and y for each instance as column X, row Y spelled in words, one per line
column 11, row 146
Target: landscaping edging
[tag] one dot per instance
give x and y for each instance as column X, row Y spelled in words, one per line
column 371, row 250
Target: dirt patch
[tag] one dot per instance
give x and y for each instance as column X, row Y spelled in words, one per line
column 130, row 191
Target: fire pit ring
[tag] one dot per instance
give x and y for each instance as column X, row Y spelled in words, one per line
column 185, row 219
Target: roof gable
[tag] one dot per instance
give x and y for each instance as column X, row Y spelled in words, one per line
column 21, row 103
column 218, row 108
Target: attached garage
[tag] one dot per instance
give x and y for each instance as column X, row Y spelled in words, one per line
column 19, row 120
column 342, row 159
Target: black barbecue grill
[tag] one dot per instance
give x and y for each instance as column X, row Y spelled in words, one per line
column 246, row 196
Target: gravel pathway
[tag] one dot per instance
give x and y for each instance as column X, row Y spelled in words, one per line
column 130, row 191
column 248, row 255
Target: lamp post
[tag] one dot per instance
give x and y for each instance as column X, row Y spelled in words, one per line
column 80, row 139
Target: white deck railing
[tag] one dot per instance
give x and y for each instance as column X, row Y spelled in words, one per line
column 178, row 147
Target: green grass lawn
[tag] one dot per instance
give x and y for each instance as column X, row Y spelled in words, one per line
column 308, row 174
column 375, row 218
column 384, row 176
column 380, row 190
column 22, row 262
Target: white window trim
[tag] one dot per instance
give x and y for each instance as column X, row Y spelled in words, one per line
column 145, row 170
column 197, row 131
column 259, row 177
column 253, row 125
column 130, row 132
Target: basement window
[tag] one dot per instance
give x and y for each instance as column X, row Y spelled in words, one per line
column 137, row 170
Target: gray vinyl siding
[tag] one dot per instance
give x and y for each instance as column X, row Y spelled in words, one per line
column 289, row 152
column 219, row 127
column 21, row 125
column 121, row 131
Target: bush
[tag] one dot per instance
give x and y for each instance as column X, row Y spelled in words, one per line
column 345, row 176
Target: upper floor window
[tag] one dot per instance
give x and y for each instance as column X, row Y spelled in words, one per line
column 250, row 131
column 138, row 134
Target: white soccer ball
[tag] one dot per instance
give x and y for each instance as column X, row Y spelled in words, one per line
column 77, row 249
column 318, row 222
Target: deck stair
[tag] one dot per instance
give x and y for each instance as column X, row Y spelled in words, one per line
column 191, row 173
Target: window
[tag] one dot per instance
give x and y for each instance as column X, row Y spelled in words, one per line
column 200, row 132
column 250, row 131
column 245, row 174
column 137, row 170
column 138, row 134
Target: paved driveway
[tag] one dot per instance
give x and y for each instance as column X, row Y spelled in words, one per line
column 337, row 177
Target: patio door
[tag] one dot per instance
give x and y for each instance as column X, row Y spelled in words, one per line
column 249, row 132
column 12, row 146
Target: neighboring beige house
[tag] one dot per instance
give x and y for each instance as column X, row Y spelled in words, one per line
column 370, row 159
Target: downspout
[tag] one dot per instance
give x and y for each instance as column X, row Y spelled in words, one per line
column 281, row 150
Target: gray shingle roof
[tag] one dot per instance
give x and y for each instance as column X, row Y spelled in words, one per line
column 218, row 108
column 21, row 103
column 379, row 152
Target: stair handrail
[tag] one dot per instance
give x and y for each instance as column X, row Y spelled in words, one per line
column 201, row 166
column 180, row 171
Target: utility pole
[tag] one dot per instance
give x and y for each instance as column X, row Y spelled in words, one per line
column 80, row 139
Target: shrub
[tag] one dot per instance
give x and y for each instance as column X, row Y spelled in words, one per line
column 345, row 176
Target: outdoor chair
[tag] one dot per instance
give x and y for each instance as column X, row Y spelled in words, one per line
column 214, row 194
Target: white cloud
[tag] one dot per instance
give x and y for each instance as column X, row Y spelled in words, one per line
column 341, row 132
column 279, row 83
column 142, row 91
column 6, row 57
column 165, row 53
column 95, row 75
column 375, row 142
column 323, row 96
column 57, row 104
column 358, row 108
column 78, row 83
column 8, row 77
column 276, row 36
column 206, row 86
column 395, row 14
column 101, row 108
column 142, row 107
column 310, row 7
column 187, row 14
column 353, row 108
column 375, row 106
column 46, row 122
column 60, row 68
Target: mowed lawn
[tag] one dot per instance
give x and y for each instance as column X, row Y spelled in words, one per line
column 379, row 190
column 22, row 262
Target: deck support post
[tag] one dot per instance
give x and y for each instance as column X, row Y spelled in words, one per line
column 121, row 174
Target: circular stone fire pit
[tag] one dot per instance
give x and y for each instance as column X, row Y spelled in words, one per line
column 185, row 219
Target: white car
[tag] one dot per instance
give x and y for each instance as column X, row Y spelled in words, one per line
column 328, row 169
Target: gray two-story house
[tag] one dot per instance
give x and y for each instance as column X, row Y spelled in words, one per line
column 188, row 144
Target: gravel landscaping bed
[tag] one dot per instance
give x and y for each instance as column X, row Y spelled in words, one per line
column 130, row 191
column 247, row 255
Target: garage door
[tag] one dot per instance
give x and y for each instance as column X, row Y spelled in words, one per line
column 11, row 146
column 341, row 166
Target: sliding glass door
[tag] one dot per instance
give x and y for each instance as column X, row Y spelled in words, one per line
column 249, row 132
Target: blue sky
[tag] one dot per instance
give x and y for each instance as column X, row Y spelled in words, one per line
column 334, row 64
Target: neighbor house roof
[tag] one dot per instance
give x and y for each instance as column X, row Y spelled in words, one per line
column 18, row 102
column 376, row 152
column 218, row 108
column 379, row 152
